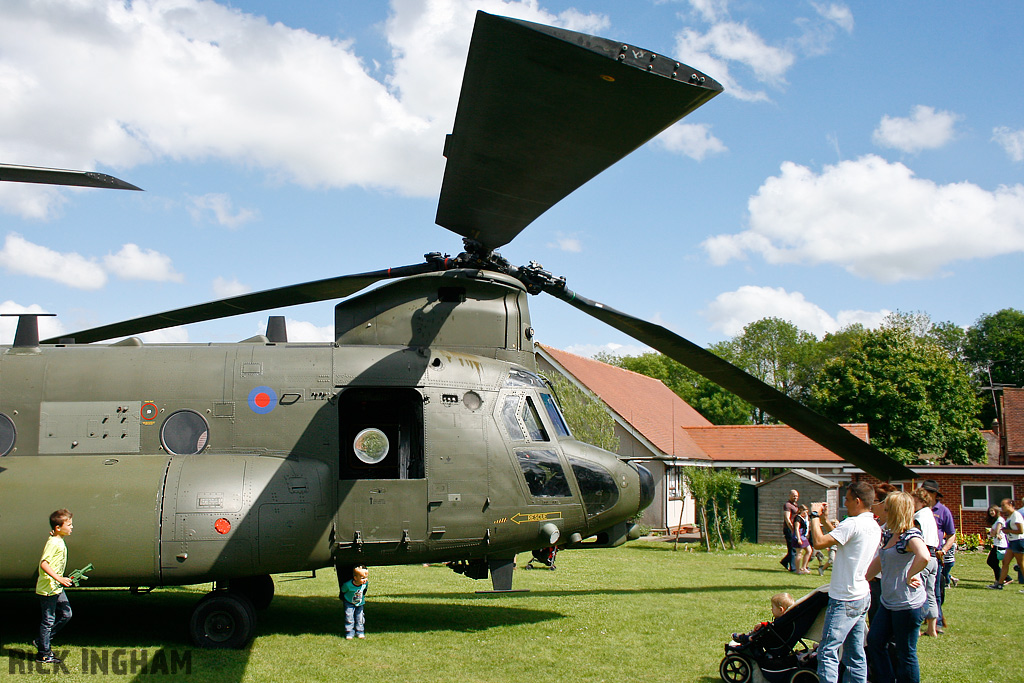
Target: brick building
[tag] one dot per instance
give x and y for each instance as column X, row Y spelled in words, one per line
column 1011, row 427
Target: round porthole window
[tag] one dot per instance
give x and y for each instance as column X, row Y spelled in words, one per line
column 184, row 433
column 7, row 435
column 371, row 445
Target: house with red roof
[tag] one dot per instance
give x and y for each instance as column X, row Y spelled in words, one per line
column 662, row 432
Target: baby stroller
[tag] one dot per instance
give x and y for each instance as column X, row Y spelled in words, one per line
column 546, row 556
column 783, row 651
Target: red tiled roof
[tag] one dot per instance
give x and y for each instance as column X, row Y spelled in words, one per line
column 769, row 443
column 646, row 403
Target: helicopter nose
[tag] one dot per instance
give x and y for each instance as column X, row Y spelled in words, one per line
column 646, row 486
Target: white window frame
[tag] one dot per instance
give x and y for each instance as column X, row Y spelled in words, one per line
column 986, row 484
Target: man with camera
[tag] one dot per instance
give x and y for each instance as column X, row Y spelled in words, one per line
column 856, row 539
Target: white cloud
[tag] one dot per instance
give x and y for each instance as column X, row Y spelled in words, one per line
column 875, row 219
column 591, row 350
column 693, row 140
column 224, row 288
column 711, row 10
column 168, row 335
column 48, row 326
column 222, row 210
column 132, row 263
column 819, row 32
column 835, row 13
column 25, row 258
column 106, row 82
column 925, row 128
column 30, row 201
column 1012, row 141
column 727, row 42
column 730, row 312
column 570, row 243
column 302, row 331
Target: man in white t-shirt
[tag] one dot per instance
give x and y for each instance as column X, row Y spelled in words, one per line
column 856, row 539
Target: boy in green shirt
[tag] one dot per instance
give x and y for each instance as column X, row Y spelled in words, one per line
column 56, row 611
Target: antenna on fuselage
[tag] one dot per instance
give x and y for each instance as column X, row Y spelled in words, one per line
column 27, row 334
column 277, row 332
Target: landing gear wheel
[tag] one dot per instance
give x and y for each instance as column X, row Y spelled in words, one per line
column 735, row 669
column 223, row 619
column 259, row 590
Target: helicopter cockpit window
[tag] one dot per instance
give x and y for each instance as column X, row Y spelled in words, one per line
column 534, row 427
column 544, row 474
column 597, row 486
column 184, row 433
column 561, row 429
column 509, row 412
column 7, row 435
column 518, row 377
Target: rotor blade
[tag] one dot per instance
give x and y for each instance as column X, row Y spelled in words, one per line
column 542, row 111
column 58, row 176
column 749, row 388
column 308, row 292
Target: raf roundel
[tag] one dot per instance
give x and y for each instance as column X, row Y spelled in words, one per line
column 262, row 400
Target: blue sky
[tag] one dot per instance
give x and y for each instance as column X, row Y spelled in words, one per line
column 864, row 158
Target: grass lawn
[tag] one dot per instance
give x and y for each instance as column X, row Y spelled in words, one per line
column 640, row 612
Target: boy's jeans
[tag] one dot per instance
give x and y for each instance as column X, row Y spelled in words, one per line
column 354, row 621
column 844, row 625
column 56, row 612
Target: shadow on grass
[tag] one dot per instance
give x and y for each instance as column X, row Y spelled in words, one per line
column 675, row 590
column 106, row 622
column 109, row 618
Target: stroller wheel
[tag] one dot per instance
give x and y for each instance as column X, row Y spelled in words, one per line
column 735, row 669
column 804, row 676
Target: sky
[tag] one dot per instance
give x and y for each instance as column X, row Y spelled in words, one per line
column 864, row 158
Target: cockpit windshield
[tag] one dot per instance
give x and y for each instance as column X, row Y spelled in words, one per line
column 561, row 428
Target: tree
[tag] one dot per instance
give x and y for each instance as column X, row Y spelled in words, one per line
column 918, row 402
column 588, row 420
column 995, row 343
column 715, row 492
column 779, row 354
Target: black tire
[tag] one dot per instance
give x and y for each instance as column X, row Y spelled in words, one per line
column 259, row 590
column 804, row 676
column 735, row 669
column 223, row 620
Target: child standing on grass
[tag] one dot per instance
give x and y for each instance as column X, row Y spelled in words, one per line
column 353, row 595
column 56, row 611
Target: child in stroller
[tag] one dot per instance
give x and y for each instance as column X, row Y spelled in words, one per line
column 780, row 651
column 546, row 556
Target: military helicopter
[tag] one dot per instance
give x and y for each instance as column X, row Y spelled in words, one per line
column 422, row 434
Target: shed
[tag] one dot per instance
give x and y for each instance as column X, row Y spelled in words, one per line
column 773, row 494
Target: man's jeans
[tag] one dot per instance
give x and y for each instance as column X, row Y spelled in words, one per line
column 845, row 626
column 901, row 628
column 56, row 612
